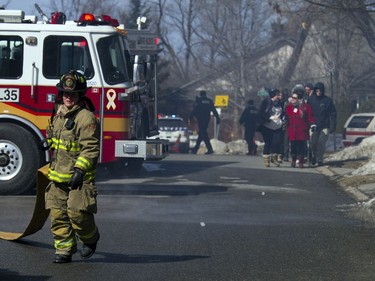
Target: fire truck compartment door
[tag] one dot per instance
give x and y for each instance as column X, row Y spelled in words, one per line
column 147, row 149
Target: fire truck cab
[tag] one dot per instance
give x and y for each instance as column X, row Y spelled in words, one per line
column 120, row 67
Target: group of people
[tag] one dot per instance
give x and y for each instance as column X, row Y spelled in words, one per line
column 299, row 125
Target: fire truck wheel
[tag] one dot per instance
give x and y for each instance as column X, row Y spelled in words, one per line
column 20, row 158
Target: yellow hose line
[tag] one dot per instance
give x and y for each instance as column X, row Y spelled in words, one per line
column 40, row 214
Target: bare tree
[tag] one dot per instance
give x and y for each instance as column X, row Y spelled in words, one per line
column 358, row 10
column 218, row 42
column 176, row 26
column 233, row 31
column 291, row 65
column 345, row 27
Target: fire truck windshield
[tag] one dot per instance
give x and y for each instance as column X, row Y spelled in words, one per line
column 112, row 59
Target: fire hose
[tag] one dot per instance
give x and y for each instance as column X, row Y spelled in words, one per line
column 40, row 214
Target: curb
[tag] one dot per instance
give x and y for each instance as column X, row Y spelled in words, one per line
column 353, row 192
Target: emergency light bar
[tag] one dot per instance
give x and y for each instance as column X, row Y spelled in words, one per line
column 58, row 18
column 90, row 19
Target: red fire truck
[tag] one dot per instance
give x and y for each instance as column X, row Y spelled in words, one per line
column 120, row 66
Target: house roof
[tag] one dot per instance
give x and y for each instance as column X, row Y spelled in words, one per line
column 216, row 74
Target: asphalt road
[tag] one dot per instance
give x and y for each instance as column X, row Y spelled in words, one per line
column 198, row 217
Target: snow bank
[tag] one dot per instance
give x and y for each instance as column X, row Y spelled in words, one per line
column 365, row 150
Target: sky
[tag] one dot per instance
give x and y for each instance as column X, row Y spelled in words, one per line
column 27, row 6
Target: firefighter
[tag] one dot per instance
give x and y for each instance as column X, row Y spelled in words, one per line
column 73, row 136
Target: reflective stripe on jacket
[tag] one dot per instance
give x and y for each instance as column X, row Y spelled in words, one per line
column 74, row 148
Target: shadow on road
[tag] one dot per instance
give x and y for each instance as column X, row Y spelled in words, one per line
column 159, row 190
column 165, row 169
column 15, row 276
column 123, row 258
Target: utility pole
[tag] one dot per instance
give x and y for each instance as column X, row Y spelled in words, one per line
column 331, row 68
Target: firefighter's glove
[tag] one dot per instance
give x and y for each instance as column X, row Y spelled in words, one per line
column 77, row 179
column 218, row 121
column 313, row 128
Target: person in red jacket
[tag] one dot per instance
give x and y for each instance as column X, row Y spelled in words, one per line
column 300, row 120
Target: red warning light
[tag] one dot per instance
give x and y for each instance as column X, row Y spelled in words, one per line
column 87, row 18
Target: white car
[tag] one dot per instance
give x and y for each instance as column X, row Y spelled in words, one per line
column 174, row 129
column 357, row 127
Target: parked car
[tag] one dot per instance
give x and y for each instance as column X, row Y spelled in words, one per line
column 174, row 129
column 357, row 127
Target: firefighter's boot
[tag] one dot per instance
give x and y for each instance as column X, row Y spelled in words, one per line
column 266, row 160
column 62, row 258
column 89, row 249
column 274, row 160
